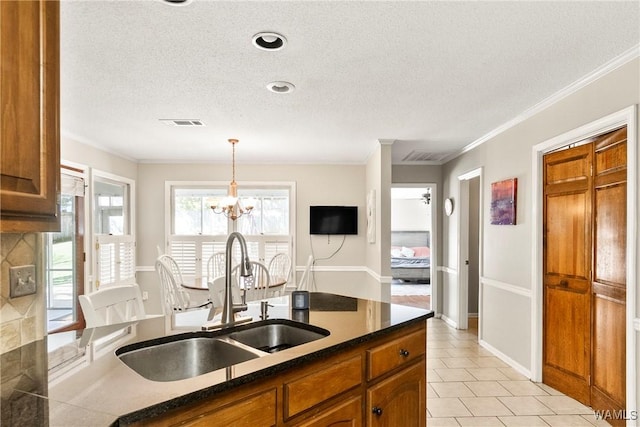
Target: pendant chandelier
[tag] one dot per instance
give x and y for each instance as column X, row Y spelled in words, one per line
column 231, row 206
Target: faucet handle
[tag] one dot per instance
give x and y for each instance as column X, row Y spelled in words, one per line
column 264, row 307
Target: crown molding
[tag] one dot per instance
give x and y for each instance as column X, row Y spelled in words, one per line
column 591, row 77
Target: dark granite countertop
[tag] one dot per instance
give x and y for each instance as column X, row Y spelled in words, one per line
column 68, row 382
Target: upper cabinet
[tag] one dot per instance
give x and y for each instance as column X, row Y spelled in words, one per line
column 30, row 116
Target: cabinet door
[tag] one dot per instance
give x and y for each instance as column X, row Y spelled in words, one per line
column 348, row 414
column 400, row 400
column 29, row 102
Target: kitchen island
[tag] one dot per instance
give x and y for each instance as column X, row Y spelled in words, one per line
column 374, row 352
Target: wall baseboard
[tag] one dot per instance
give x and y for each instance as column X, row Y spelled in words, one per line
column 449, row 321
column 506, row 359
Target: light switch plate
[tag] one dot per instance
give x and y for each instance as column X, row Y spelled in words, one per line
column 22, row 280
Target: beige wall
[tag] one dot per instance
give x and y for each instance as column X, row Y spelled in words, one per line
column 507, row 250
column 315, row 185
column 92, row 157
column 378, row 176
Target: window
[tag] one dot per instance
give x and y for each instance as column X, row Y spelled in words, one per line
column 64, row 257
column 113, row 225
column 195, row 232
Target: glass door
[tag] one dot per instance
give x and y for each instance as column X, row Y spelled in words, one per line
column 64, row 266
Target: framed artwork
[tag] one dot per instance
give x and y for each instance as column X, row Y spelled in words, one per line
column 503, row 202
column 371, row 216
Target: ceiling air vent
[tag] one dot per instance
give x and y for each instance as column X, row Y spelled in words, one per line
column 182, row 122
column 424, row 156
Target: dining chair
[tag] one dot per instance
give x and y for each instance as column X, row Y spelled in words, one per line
column 256, row 286
column 175, row 295
column 111, row 305
column 215, row 266
column 216, row 295
column 279, row 271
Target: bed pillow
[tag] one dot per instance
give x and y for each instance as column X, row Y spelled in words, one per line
column 406, row 252
column 421, row 251
column 396, row 252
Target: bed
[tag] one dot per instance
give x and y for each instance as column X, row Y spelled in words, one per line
column 411, row 256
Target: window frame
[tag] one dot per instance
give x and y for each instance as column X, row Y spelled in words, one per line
column 200, row 263
column 119, row 240
column 79, row 272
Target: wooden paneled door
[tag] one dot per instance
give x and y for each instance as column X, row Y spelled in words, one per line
column 585, row 271
column 609, row 287
column 567, row 271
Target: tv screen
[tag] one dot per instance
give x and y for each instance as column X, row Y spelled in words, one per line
column 333, row 220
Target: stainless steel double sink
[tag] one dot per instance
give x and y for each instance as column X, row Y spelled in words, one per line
column 190, row 354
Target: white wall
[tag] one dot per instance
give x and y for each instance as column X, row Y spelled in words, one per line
column 506, row 269
column 315, row 185
column 410, row 215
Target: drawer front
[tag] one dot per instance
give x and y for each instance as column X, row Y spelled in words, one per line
column 310, row 390
column 398, row 352
column 347, row 414
column 258, row 410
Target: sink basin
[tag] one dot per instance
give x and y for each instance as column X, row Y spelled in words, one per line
column 274, row 335
column 183, row 358
column 188, row 355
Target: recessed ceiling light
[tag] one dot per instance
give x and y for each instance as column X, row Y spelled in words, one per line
column 269, row 41
column 177, row 2
column 281, row 87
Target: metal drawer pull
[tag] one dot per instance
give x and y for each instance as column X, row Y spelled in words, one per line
column 564, row 283
column 377, row 411
column 404, row 353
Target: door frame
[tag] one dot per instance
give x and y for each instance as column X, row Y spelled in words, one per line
column 433, row 237
column 626, row 117
column 463, row 249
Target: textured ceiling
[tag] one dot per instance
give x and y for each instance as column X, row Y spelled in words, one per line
column 433, row 76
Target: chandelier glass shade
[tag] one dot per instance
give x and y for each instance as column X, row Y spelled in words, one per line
column 232, row 206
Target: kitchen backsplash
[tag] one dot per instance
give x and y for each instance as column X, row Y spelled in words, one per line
column 22, row 318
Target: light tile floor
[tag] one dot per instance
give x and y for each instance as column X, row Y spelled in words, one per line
column 468, row 386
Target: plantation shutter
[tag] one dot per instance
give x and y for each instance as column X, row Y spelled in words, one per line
column 115, row 258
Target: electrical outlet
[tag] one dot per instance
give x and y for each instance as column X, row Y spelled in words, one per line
column 22, row 280
column 145, row 295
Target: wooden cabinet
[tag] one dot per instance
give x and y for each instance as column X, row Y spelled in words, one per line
column 322, row 384
column 347, row 414
column 253, row 408
column 376, row 383
column 399, row 400
column 396, row 353
column 29, row 102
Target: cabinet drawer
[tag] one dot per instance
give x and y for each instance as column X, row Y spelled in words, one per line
column 305, row 392
column 398, row 352
column 348, row 413
column 254, row 410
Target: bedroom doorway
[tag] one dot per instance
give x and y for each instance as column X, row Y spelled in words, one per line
column 411, row 242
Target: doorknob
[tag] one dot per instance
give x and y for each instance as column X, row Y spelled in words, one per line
column 466, row 262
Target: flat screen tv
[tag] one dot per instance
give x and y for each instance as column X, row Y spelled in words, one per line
column 333, row 220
